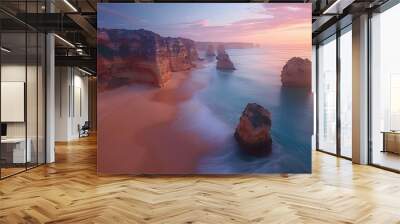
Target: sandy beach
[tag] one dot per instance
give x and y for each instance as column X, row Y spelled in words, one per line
column 153, row 146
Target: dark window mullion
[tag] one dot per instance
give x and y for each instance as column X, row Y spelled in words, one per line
column 26, row 86
column 37, row 90
column 338, row 80
column 317, row 96
column 369, row 90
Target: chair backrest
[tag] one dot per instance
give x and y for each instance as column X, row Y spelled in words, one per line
column 86, row 125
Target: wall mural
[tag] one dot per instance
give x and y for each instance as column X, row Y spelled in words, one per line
column 189, row 88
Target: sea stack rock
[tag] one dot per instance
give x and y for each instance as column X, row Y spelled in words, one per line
column 297, row 73
column 210, row 51
column 126, row 56
column 253, row 133
column 221, row 49
column 223, row 60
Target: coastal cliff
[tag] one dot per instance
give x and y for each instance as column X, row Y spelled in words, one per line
column 228, row 45
column 297, row 73
column 223, row 60
column 182, row 54
column 126, row 56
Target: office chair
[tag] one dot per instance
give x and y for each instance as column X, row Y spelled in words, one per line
column 84, row 130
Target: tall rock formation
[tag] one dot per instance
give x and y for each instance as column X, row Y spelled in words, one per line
column 297, row 73
column 253, row 133
column 221, row 49
column 141, row 56
column 182, row 53
column 223, row 60
column 210, row 51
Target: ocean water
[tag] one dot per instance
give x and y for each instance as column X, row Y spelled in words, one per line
column 214, row 112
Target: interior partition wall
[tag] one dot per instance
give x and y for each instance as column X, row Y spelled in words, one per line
column 22, row 101
column 334, row 94
column 385, row 89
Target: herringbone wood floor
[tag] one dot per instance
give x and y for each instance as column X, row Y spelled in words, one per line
column 70, row 191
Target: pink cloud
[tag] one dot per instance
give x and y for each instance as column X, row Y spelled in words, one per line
column 197, row 23
column 288, row 11
column 276, row 18
column 273, row 24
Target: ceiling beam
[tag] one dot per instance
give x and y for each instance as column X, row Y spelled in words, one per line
column 79, row 61
column 337, row 7
column 86, row 26
column 49, row 22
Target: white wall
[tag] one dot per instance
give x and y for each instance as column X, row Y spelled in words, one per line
column 9, row 73
column 71, row 93
column 81, row 102
column 13, row 101
column 17, row 72
column 13, row 72
column 62, row 81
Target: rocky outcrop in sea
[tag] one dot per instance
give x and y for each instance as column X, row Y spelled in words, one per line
column 253, row 133
column 142, row 56
column 223, row 60
column 297, row 73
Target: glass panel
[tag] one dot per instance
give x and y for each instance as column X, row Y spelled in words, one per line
column 31, row 97
column 346, row 93
column 385, row 84
column 327, row 95
column 394, row 102
column 31, row 87
column 23, row 90
column 13, row 88
column 41, row 98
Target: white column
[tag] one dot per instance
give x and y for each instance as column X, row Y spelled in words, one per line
column 360, row 90
column 62, row 103
column 50, row 99
column 50, row 92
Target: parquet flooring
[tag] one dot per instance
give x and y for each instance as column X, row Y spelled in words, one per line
column 70, row 191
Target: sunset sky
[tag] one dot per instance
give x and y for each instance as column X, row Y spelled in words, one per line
column 268, row 24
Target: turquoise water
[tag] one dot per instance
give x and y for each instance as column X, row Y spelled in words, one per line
column 215, row 110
